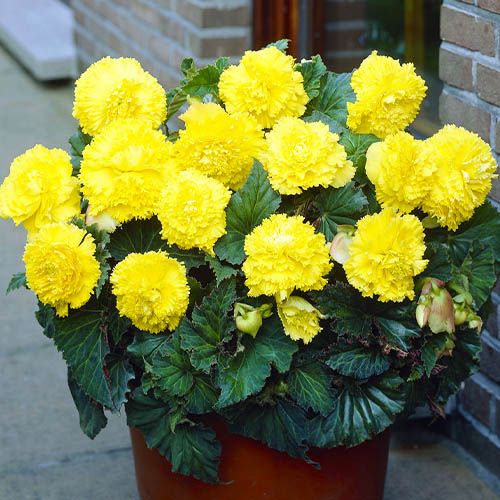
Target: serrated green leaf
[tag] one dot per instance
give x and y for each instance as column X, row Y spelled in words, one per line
column 248, row 207
column 361, row 411
column 357, row 361
column 78, row 141
column 209, row 327
column 356, row 146
column 338, row 207
column 117, row 325
column 439, row 265
column 317, row 116
column 206, row 80
column 221, row 271
column 81, row 339
column 202, row 396
column 281, row 426
column 141, row 236
column 398, row 332
column 101, row 240
column 312, row 71
column 188, row 67
column 91, row 413
column 18, row 280
column 45, row 317
column 145, row 344
column 246, row 373
column 120, row 373
column 311, row 386
column 334, row 93
column 433, row 346
column 176, row 98
column 280, row 44
column 479, row 269
column 192, row 449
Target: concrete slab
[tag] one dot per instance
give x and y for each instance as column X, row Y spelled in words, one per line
column 40, row 35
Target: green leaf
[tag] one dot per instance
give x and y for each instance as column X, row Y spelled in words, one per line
column 400, row 331
column 176, row 98
column 439, row 265
column 247, row 372
column 338, row 207
column 281, row 426
column 311, row 386
column 145, row 345
column 248, row 207
column 101, row 239
column 188, row 67
column 117, row 325
column 120, row 373
column 78, row 141
column 91, row 413
column 479, row 269
column 192, row 449
column 361, row 411
column 357, row 361
column 141, row 236
column 312, row 71
column 334, row 93
column 317, row 116
column 280, row 44
column 202, row 396
column 460, row 366
column 356, row 146
column 221, row 271
column 206, row 80
column 45, row 317
column 18, row 280
column 433, row 346
column 209, row 327
column 81, row 339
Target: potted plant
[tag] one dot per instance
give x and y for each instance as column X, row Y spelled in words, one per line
column 269, row 288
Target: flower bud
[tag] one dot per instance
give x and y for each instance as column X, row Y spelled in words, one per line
column 249, row 319
column 460, row 313
column 435, row 307
column 475, row 322
column 339, row 248
column 104, row 222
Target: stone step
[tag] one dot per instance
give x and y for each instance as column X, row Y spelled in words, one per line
column 39, row 33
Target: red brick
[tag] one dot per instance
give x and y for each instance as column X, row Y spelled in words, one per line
column 493, row 5
column 468, row 31
column 211, row 47
column 455, row 69
column 454, row 110
column 490, row 357
column 342, row 64
column 352, row 39
column 213, row 17
column 345, row 10
column 488, row 84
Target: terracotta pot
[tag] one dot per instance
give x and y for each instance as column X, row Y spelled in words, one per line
column 252, row 471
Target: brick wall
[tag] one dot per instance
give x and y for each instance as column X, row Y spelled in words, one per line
column 470, row 69
column 345, row 29
column 160, row 33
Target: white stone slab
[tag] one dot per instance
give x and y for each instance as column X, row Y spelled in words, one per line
column 39, row 33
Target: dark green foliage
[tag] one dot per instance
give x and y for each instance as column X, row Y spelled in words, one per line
column 357, row 361
column 17, row 281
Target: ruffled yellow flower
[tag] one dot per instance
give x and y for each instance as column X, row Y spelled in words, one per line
column 151, row 290
column 265, row 85
column 465, row 168
column 385, row 254
column 124, row 169
column 300, row 318
column 218, row 144
column 60, row 266
column 285, row 254
column 302, row 155
column 113, row 89
column 402, row 180
column 388, row 96
column 192, row 210
column 40, row 189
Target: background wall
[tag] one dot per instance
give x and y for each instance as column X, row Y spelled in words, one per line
column 470, row 68
column 160, row 33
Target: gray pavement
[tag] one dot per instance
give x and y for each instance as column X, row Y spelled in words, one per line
column 43, row 454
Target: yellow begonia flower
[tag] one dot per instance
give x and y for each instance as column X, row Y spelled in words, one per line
column 191, row 210
column 302, row 155
column 464, row 169
column 60, row 266
column 385, row 254
column 113, row 89
column 285, row 254
column 151, row 290
column 124, row 169
column 388, row 96
column 40, row 189
column 300, row 318
column 264, row 84
column 218, row 144
column 396, row 167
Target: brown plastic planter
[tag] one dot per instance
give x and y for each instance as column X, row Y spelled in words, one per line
column 251, row 471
